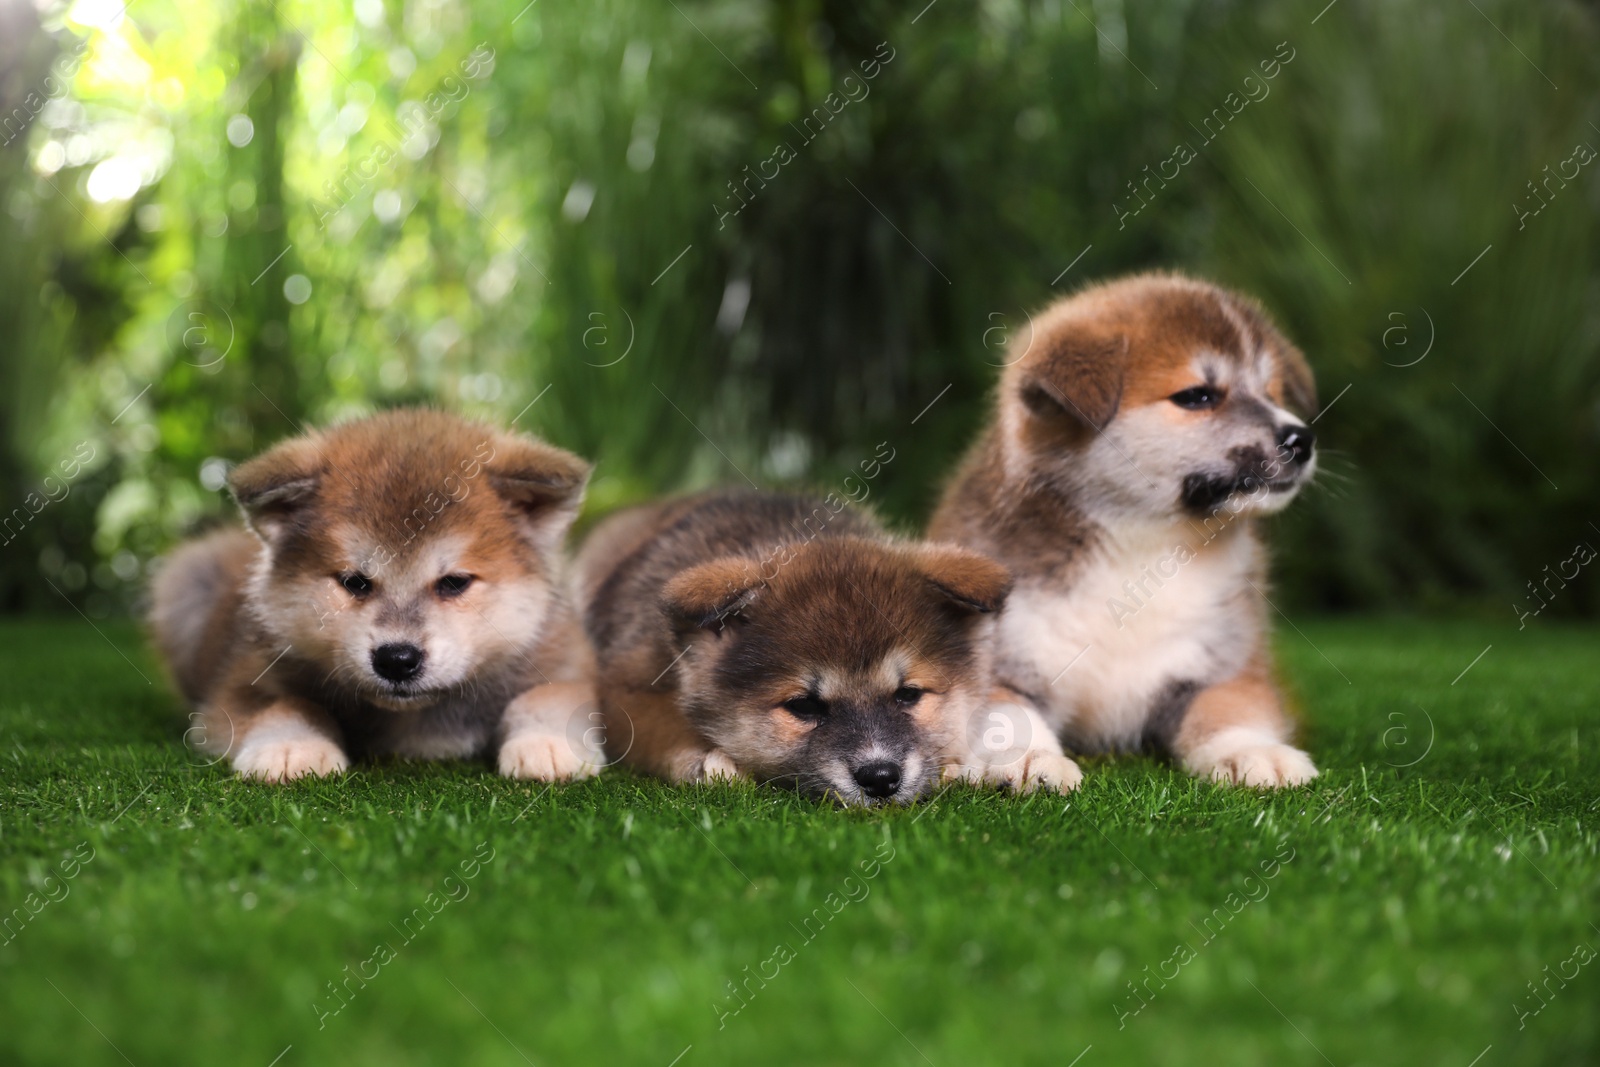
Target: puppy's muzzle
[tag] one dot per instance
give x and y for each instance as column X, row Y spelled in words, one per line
column 1254, row 471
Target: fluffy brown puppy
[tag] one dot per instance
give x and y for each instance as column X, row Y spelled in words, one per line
column 782, row 639
column 396, row 591
column 1141, row 426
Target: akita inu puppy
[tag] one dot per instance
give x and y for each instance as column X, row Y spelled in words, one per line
column 397, row 591
column 783, row 639
column 1141, row 426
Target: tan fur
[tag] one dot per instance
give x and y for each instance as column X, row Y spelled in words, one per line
column 1126, row 518
column 195, row 609
column 264, row 636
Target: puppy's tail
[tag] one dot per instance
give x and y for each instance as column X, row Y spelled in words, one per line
column 195, row 602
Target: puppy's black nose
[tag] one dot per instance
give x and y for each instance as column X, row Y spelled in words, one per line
column 1294, row 443
column 878, row 779
column 397, row 662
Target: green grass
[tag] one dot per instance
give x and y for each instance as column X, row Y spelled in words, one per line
column 1417, row 906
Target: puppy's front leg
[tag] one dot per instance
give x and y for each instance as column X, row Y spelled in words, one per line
column 645, row 729
column 1010, row 744
column 553, row 732
column 1236, row 732
column 276, row 741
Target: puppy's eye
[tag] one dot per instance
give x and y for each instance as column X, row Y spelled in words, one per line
column 452, row 585
column 1199, row 398
column 809, row 708
column 357, row 585
column 907, row 695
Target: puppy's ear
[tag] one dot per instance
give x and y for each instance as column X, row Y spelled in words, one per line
column 274, row 489
column 1299, row 386
column 711, row 595
column 542, row 484
column 1077, row 376
column 969, row 581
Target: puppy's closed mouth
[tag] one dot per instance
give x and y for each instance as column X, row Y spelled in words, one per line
column 1202, row 492
column 401, row 697
column 851, row 797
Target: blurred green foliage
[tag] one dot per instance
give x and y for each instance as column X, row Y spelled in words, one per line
column 727, row 241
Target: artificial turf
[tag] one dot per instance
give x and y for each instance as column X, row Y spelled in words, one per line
column 1387, row 914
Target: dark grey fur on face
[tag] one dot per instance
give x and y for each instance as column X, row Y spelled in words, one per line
column 874, row 751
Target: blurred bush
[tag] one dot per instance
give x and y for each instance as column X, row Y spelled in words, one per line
column 727, row 241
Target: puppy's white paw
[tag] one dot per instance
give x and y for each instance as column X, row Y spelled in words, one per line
column 1011, row 745
column 689, row 765
column 718, row 767
column 1037, row 771
column 547, row 757
column 1047, row 771
column 1251, row 758
column 285, row 758
column 1265, row 767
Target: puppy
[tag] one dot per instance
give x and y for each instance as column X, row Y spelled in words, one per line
column 397, row 590
column 783, row 639
column 1141, row 428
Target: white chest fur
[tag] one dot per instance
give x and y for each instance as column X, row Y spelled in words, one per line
column 1142, row 613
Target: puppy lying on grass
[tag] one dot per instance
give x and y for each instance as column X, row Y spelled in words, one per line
column 1141, row 427
column 396, row 591
column 771, row 637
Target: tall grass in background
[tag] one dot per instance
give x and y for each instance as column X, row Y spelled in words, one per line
column 566, row 205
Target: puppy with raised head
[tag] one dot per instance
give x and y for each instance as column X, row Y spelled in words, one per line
column 1141, row 428
column 783, row 639
column 396, row 589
